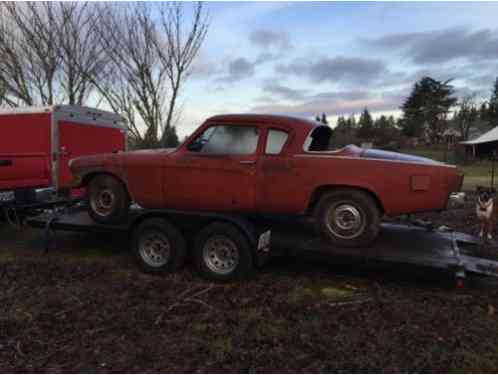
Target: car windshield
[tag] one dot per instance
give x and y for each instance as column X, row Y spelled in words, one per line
column 226, row 139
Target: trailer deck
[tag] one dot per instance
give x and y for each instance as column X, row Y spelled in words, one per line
column 397, row 244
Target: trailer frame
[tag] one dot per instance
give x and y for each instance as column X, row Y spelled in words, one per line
column 397, row 244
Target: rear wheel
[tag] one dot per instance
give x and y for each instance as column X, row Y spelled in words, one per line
column 348, row 218
column 108, row 200
column 222, row 253
column 158, row 246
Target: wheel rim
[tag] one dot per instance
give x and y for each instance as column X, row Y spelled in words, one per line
column 345, row 220
column 221, row 255
column 103, row 202
column 155, row 249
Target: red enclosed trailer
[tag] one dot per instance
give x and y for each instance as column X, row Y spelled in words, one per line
column 36, row 144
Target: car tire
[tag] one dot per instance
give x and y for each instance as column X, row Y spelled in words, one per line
column 222, row 253
column 158, row 246
column 108, row 201
column 347, row 218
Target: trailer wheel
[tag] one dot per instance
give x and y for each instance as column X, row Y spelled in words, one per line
column 158, row 246
column 108, row 200
column 347, row 218
column 222, row 253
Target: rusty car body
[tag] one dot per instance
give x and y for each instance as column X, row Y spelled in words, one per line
column 268, row 164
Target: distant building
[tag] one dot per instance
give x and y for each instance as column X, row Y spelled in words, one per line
column 452, row 136
column 484, row 145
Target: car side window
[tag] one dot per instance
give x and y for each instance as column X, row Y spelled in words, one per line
column 226, row 139
column 275, row 141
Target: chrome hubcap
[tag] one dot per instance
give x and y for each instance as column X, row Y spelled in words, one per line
column 103, row 202
column 221, row 255
column 155, row 249
column 345, row 220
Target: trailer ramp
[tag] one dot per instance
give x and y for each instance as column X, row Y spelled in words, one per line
column 399, row 244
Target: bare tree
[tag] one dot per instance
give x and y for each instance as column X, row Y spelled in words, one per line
column 466, row 115
column 178, row 51
column 48, row 52
column 134, row 82
column 132, row 57
column 150, row 62
column 80, row 49
column 28, row 69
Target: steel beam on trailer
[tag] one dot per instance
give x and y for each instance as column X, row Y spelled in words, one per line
column 401, row 244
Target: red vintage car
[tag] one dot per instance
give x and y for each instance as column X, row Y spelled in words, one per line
column 265, row 164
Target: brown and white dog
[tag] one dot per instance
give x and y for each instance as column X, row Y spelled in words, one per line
column 486, row 211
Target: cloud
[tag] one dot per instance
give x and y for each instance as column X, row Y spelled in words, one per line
column 238, row 70
column 337, row 69
column 333, row 103
column 202, row 69
column 267, row 57
column 272, row 87
column 270, row 39
column 439, row 46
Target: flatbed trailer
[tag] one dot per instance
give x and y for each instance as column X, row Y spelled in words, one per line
column 397, row 243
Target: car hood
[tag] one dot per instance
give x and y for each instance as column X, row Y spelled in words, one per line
column 106, row 159
column 148, row 151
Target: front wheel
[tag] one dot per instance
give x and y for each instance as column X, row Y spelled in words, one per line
column 108, row 201
column 348, row 218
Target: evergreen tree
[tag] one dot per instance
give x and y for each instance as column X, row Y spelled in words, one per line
column 382, row 123
column 366, row 125
column 324, row 119
column 341, row 123
column 385, row 130
column 492, row 112
column 426, row 108
column 483, row 112
column 171, row 137
column 466, row 115
column 344, row 132
column 351, row 121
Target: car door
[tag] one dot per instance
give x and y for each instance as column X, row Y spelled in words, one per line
column 277, row 178
column 216, row 171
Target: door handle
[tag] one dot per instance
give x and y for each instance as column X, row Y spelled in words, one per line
column 5, row 163
column 247, row 162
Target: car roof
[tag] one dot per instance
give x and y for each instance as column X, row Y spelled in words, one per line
column 266, row 118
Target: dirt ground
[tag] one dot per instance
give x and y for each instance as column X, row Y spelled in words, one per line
column 85, row 307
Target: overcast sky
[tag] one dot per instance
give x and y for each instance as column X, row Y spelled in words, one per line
column 305, row 58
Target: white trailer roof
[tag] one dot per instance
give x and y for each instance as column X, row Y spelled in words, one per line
column 490, row 136
column 76, row 109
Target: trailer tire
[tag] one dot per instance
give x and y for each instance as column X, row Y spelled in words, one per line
column 108, row 201
column 347, row 218
column 158, row 246
column 222, row 253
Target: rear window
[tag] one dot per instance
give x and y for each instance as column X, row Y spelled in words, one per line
column 275, row 141
column 318, row 139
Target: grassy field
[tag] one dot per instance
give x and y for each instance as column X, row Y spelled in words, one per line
column 477, row 173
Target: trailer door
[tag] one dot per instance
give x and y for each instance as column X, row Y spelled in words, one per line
column 24, row 150
column 80, row 139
